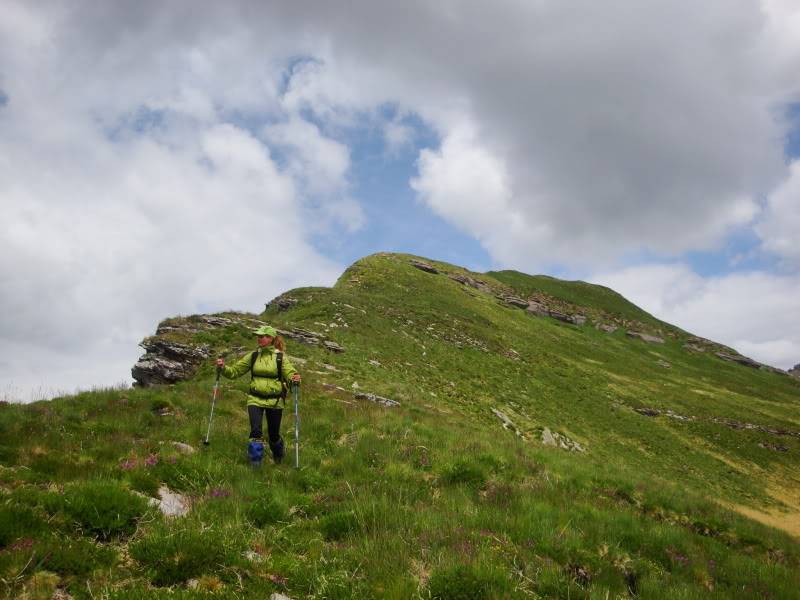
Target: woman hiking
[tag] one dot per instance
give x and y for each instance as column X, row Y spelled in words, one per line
column 269, row 371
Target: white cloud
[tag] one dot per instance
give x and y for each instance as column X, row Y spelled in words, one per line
column 137, row 175
column 112, row 223
column 748, row 311
column 780, row 227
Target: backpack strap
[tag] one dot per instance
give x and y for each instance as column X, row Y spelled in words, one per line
column 279, row 359
column 253, row 358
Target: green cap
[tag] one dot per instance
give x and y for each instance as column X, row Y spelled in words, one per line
column 265, row 330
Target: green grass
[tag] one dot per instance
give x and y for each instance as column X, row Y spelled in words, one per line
column 433, row 499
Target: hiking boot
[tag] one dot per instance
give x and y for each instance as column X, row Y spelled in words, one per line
column 255, row 452
column 278, row 451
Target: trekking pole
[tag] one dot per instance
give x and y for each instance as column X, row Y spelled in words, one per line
column 296, row 393
column 213, row 401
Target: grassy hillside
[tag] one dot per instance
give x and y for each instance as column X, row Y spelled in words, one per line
column 686, row 460
column 598, row 300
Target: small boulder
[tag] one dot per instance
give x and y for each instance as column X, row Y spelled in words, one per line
column 605, row 327
column 183, row 448
column 171, row 504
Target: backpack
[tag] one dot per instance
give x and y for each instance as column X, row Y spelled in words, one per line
column 279, row 359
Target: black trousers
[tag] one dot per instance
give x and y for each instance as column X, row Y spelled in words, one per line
column 256, row 414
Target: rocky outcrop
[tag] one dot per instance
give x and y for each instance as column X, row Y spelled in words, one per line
column 473, row 283
column 731, row 423
column 167, row 362
column 559, row 440
column 605, row 327
column 538, row 309
column 693, row 348
column 282, row 302
column 795, row 371
column 514, row 301
column 645, row 337
column 332, row 346
column 739, row 359
column 423, row 266
column 304, row 336
column 388, row 402
column 507, row 422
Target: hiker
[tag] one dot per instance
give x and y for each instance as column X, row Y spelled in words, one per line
column 269, row 371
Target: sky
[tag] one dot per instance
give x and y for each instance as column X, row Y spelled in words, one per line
column 162, row 159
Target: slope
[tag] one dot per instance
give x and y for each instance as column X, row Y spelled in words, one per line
column 528, row 457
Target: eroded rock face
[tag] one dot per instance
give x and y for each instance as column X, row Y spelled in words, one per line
column 795, row 371
column 166, row 362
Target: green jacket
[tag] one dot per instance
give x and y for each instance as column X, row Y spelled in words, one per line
column 265, row 387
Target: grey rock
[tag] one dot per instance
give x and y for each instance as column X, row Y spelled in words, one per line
column 183, row 448
column 794, row 371
column 507, row 422
column 170, row 504
column 213, row 321
column 774, row 447
column 423, row 266
column 537, row 309
column 648, row 412
column 333, row 346
column 739, row 359
column 167, row 362
column 663, row 363
column 282, row 302
column 473, row 283
column 388, row 402
column 558, row 440
column 645, row 337
column 547, row 438
column 514, row 301
column 689, row 347
column 279, row 596
column 562, row 317
column 605, row 327
column 304, row 336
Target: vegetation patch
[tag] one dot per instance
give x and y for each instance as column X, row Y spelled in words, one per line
column 467, row 582
column 172, row 557
column 103, row 508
